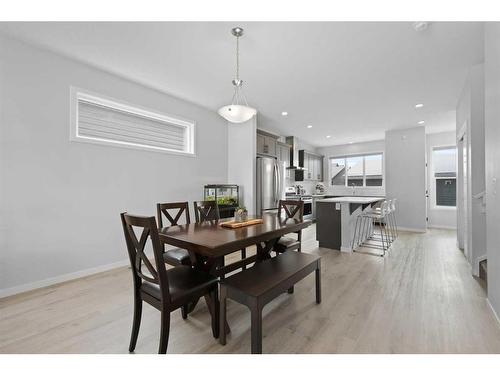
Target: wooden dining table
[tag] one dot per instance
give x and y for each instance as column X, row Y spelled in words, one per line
column 208, row 242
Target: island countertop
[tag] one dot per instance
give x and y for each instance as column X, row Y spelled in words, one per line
column 358, row 200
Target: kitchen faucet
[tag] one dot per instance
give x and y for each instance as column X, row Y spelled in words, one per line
column 353, row 188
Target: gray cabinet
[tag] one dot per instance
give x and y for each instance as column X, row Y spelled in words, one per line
column 266, row 143
column 283, row 155
column 313, row 165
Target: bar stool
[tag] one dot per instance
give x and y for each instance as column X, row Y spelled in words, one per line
column 364, row 232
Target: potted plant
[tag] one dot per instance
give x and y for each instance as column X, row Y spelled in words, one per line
column 240, row 214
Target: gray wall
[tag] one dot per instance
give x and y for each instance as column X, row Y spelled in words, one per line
column 405, row 175
column 60, row 200
column 351, row 149
column 492, row 112
column 439, row 217
column 470, row 112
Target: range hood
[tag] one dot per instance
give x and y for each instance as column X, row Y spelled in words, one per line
column 294, row 154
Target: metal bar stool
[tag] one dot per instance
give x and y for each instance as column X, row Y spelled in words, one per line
column 365, row 235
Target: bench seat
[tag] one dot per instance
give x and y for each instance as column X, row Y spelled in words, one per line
column 257, row 286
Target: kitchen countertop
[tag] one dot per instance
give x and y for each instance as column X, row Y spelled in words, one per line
column 359, row 200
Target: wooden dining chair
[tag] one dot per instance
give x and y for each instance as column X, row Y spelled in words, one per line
column 290, row 210
column 166, row 290
column 206, row 211
column 174, row 256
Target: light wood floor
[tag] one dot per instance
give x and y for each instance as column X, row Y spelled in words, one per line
column 420, row 298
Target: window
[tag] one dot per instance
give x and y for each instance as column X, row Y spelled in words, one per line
column 355, row 174
column 104, row 121
column 444, row 162
column 359, row 170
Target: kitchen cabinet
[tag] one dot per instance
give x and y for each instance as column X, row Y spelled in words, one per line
column 266, row 143
column 313, row 164
column 283, row 155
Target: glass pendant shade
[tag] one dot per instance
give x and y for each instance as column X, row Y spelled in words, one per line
column 237, row 113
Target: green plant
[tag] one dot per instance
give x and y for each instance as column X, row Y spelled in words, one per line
column 241, row 210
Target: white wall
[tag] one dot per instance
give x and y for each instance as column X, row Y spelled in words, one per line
column 351, row 149
column 439, row 217
column 492, row 132
column 405, row 175
column 60, row 200
column 242, row 144
column 470, row 112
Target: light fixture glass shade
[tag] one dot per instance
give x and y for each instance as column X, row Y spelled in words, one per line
column 237, row 113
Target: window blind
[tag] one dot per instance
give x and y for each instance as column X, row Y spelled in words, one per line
column 105, row 123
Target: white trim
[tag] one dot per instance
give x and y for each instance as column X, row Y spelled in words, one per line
column 61, row 278
column 493, row 311
column 441, row 226
column 475, row 268
column 415, row 230
column 77, row 94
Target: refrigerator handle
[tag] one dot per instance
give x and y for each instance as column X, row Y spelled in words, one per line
column 280, row 182
column 276, row 182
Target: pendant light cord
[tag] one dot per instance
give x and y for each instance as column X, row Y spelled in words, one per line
column 238, row 58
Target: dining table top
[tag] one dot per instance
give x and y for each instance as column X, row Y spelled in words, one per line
column 212, row 240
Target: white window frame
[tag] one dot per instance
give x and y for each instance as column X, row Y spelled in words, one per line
column 432, row 187
column 347, row 156
column 77, row 94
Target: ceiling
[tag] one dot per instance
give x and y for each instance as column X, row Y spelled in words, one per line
column 351, row 81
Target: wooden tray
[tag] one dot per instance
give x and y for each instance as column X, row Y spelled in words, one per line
column 238, row 224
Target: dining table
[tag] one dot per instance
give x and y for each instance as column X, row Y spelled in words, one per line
column 208, row 242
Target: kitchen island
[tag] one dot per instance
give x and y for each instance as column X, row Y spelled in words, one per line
column 336, row 219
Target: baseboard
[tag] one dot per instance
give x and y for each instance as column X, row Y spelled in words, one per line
column 475, row 268
column 406, row 229
column 59, row 279
column 442, row 227
column 493, row 311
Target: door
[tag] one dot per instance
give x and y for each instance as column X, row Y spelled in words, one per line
column 260, row 143
column 463, row 212
column 465, row 193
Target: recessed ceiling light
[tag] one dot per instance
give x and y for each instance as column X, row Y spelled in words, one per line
column 328, row 136
column 421, row 122
column 284, row 113
column 420, row 26
column 420, row 105
column 309, row 126
column 350, row 143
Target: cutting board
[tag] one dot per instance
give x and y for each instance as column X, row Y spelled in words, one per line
column 238, row 224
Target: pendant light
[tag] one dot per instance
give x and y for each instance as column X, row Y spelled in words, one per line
column 238, row 111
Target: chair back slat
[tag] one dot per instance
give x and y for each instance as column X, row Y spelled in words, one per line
column 164, row 209
column 294, row 209
column 136, row 251
column 206, row 211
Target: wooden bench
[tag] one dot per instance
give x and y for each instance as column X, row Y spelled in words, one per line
column 257, row 286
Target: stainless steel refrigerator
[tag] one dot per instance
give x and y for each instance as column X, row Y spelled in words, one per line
column 270, row 183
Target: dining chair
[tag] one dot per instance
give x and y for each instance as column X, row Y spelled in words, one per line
column 175, row 256
column 165, row 290
column 290, row 209
column 206, row 211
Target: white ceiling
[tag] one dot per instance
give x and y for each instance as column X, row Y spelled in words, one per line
column 352, row 81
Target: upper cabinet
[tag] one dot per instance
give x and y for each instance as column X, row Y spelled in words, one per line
column 313, row 167
column 266, row 143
